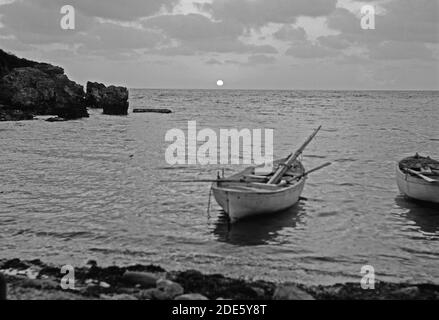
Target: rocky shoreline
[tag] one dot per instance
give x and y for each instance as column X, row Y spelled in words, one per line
column 29, row 280
column 29, row 88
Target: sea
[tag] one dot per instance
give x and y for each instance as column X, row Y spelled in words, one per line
column 100, row 188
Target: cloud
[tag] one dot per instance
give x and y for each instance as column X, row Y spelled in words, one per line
column 38, row 21
column 397, row 50
column 11, row 43
column 32, row 23
column 402, row 30
column 290, row 33
column 253, row 60
column 109, row 36
column 192, row 27
column 243, row 37
column 334, row 42
column 402, row 20
column 344, row 21
column 258, row 13
column 413, row 77
column 188, row 48
column 260, row 59
column 308, row 50
column 213, row 61
column 196, row 33
column 112, row 9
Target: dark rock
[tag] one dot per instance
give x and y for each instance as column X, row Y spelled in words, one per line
column 49, row 69
column 37, row 89
column 92, row 290
column 56, row 119
column 260, row 293
column 144, row 279
column 117, row 297
column 129, row 291
column 37, row 262
column 92, row 263
column 94, row 94
column 152, row 294
column 50, row 271
column 3, row 288
column 170, row 289
column 166, row 290
column 15, row 264
column 148, row 268
column 12, row 114
column 191, row 296
column 8, row 62
column 113, row 100
column 410, row 293
column 137, row 110
column 290, row 292
column 40, row 284
column 216, row 285
column 111, row 275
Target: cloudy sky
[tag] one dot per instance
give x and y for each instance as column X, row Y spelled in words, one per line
column 260, row 44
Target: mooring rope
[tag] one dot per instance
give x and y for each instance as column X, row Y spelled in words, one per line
column 209, row 203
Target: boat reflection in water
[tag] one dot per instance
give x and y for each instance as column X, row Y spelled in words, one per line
column 424, row 214
column 258, row 230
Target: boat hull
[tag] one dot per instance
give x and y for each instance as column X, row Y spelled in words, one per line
column 416, row 188
column 239, row 205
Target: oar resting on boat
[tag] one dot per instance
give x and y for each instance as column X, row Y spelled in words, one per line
column 420, row 175
column 284, row 167
column 268, row 186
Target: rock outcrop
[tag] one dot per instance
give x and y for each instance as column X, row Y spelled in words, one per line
column 94, row 94
column 142, row 279
column 191, row 296
column 289, row 291
column 30, row 88
column 30, row 279
column 113, row 100
column 11, row 114
column 3, row 293
column 140, row 110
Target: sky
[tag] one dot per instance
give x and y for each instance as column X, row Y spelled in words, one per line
column 249, row 44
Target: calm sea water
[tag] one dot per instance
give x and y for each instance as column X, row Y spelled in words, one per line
column 90, row 189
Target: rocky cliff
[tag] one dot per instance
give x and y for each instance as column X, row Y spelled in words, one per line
column 113, row 100
column 29, row 88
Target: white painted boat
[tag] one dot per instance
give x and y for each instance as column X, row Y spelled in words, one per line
column 248, row 197
column 418, row 185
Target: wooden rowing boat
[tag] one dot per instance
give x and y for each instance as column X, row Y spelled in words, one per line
column 250, row 193
column 248, row 196
column 418, row 178
column 254, row 192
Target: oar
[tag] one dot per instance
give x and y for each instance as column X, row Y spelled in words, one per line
column 317, row 168
column 420, row 175
column 277, row 176
column 201, row 180
column 241, row 180
column 314, row 170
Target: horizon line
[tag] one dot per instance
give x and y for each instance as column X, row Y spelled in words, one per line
column 280, row 89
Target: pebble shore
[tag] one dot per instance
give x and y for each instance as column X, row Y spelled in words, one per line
column 35, row 280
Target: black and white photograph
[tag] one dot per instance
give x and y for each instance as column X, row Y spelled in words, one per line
column 222, row 150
